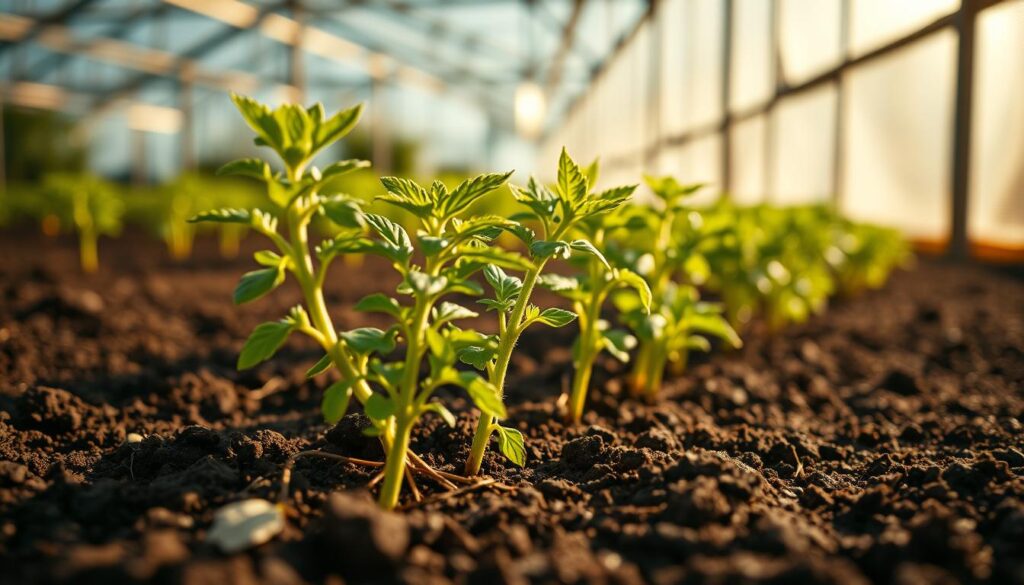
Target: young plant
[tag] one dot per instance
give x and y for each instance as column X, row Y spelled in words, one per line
column 453, row 248
column 87, row 205
column 579, row 219
column 559, row 214
column 677, row 321
column 295, row 197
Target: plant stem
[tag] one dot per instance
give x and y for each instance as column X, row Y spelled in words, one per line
column 641, row 366
column 506, row 344
column 88, row 250
column 394, row 466
column 581, row 380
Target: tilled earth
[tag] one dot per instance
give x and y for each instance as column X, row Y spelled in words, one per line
column 879, row 443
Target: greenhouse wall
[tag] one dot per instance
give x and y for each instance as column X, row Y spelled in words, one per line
column 853, row 102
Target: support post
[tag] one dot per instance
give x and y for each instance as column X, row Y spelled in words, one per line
column 726, row 153
column 965, row 22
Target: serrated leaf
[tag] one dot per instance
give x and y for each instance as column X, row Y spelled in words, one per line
column 379, row 303
column 264, row 342
column 469, row 191
column 370, row 339
column 335, row 401
column 512, row 445
column 556, row 317
column 321, row 366
column 394, row 236
column 408, row 195
column 572, row 185
column 506, row 287
column 496, row 256
column 257, row 283
column 440, row 410
column 225, row 215
column 379, row 407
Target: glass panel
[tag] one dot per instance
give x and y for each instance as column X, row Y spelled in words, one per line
column 691, row 68
column 875, row 22
column 747, row 151
column 899, row 126
column 751, row 81
column 673, row 55
column 809, row 37
column 803, row 147
column 997, row 159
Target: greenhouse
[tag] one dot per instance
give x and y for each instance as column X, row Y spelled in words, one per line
column 519, row 291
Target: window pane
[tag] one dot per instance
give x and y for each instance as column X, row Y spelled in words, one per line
column 699, row 161
column 751, row 81
column 809, row 37
column 803, row 147
column 997, row 158
column 691, row 68
column 747, row 152
column 899, row 123
column 875, row 22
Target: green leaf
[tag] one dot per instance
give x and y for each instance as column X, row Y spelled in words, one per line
column 558, row 283
column 257, row 283
column 618, row 343
column 264, row 342
column 586, row 247
column 259, row 118
column 512, row 445
column 440, row 410
column 496, row 256
column 483, row 394
column 715, row 325
column 343, row 211
column 572, row 185
column 247, row 167
column 432, row 245
column 425, row 284
column 637, row 282
column 546, row 249
column 506, row 288
column 450, row 312
column 408, row 195
column 268, row 258
column 321, row 366
column 343, row 167
column 696, row 342
column 370, row 339
column 379, row 407
column 469, row 191
column 336, row 127
column 478, row 357
column 395, row 237
column 335, row 401
column 226, row 215
column 556, row 317
column 379, row 303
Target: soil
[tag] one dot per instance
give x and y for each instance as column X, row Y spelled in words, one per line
column 879, row 443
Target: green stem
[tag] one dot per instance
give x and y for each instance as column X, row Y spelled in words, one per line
column 581, row 380
column 638, row 377
column 656, row 371
column 506, row 344
column 88, row 251
column 394, row 466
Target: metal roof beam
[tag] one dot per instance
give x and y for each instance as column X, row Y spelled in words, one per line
column 57, row 17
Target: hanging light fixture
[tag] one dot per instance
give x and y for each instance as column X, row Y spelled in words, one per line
column 530, row 101
column 530, row 108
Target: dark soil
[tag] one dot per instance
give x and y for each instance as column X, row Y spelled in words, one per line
column 881, row 443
